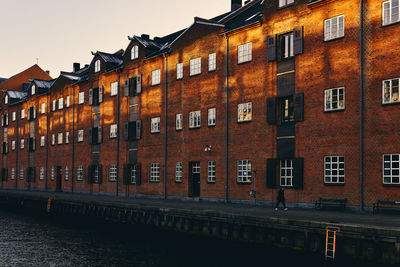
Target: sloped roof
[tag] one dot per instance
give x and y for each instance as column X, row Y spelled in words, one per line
column 16, row 94
column 248, row 15
column 3, row 80
column 111, row 58
column 43, row 84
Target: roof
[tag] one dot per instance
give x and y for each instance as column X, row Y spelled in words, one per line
column 3, row 80
column 111, row 58
column 16, row 82
column 16, row 94
column 43, row 84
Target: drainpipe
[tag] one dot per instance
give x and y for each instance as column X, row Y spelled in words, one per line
column 16, row 172
column 227, row 120
column 165, row 125
column 47, row 139
column 118, row 107
column 361, row 106
column 73, row 138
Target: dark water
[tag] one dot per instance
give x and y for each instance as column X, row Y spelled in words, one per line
column 27, row 240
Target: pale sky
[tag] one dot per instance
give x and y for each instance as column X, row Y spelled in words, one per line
column 60, row 32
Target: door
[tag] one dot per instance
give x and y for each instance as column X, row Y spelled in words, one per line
column 59, row 178
column 195, row 178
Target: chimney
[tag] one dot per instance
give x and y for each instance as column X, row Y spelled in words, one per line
column 48, row 72
column 77, row 66
column 235, row 4
column 86, row 65
column 145, row 36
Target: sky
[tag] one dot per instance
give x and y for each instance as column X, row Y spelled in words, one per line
column 61, row 32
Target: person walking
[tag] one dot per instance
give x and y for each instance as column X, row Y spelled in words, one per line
column 281, row 199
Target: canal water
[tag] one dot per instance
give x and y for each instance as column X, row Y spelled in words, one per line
column 28, row 240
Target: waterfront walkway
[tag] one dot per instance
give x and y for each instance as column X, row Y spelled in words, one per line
column 348, row 218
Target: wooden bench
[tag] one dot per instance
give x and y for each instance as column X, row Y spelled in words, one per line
column 341, row 202
column 379, row 203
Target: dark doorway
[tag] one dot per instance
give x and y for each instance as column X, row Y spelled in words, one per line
column 59, row 178
column 194, row 170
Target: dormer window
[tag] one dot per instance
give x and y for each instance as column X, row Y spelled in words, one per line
column 135, row 52
column 97, row 66
column 283, row 3
column 6, row 99
column 33, row 90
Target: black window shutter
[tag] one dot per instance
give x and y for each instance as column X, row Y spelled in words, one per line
column 299, row 107
column 99, row 135
column 4, row 174
column 101, row 92
column 271, row 172
column 90, row 136
column 298, row 41
column 139, row 84
column 271, row 48
column 138, row 129
column 298, row 173
column 91, row 97
column 90, row 173
column 3, row 148
column 271, row 110
column 100, row 169
column 125, row 178
column 126, row 87
column 138, row 174
column 126, row 131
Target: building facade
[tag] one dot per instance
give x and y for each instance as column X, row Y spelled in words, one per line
column 288, row 93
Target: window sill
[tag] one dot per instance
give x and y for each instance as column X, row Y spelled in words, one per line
column 335, row 110
column 244, row 62
column 391, row 185
column 390, row 24
column 212, row 125
column 179, row 79
column 247, row 121
column 112, row 181
column 178, row 182
column 154, row 132
column 243, row 183
column 333, row 39
column 154, row 85
column 155, row 182
column 194, row 75
column 194, row 128
column 179, row 130
column 390, row 104
column 214, row 70
column 334, row 184
column 208, row 182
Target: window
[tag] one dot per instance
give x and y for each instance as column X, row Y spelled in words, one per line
column 33, row 89
column 155, row 77
column 244, row 171
column 113, row 131
column 334, row 28
column 244, row 53
column 334, row 99
column 211, row 172
column 283, row 3
column 41, row 173
column 286, row 171
column 80, row 135
column 112, row 175
column 212, row 62
column 133, row 174
column 53, row 139
column 68, row 101
column 22, row 114
column 179, row 71
column 81, row 98
column 390, row 12
column 211, row 116
column 390, row 91
column 6, row 99
column 66, row 176
column 391, row 169
column 79, row 173
column 334, row 170
column 12, row 145
column 60, row 138
column 22, row 143
column 155, row 125
column 134, row 52
column 67, row 137
column 196, row 167
column 244, row 112
column 194, row 119
column 52, row 174
column 178, row 124
column 42, row 141
column 97, row 66
column 195, row 66
column 154, row 172
column 14, row 116
column 12, row 174
column 43, row 108
column 114, row 89
column 287, row 110
column 287, row 44
column 60, row 103
column 178, row 172
column 53, row 107
column 21, row 173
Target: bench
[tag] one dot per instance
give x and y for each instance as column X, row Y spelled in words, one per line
column 384, row 203
column 341, row 202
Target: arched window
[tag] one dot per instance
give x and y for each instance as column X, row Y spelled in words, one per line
column 33, row 90
column 135, row 52
column 97, row 66
column 6, row 99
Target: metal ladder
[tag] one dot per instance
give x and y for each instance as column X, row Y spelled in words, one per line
column 330, row 247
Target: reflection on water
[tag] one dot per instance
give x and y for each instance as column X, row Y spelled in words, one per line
column 41, row 241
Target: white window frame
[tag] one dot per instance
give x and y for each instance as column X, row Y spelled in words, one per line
column 155, row 125
column 66, row 174
column 33, row 90
column 389, row 13
column 194, row 119
column 42, row 141
column 81, row 98
column 212, row 116
column 179, row 71
column 245, row 53
column 22, row 144
column 113, row 130
column 21, row 173
column 53, row 107
column 12, row 176
column 14, row 116
column 212, row 62
column 80, row 135
column 60, row 103
column 68, row 101
column 112, row 172
column 156, row 77
column 13, row 145
column 53, row 139
column 334, row 28
column 195, row 66
column 178, row 121
column 244, row 171
column 114, row 89
column 79, row 173
column 391, row 169
column 332, row 102
column 178, row 172
column 286, row 172
column 288, row 40
column 42, row 108
column 245, row 112
column 22, row 114
column 334, row 169
column 67, row 137
column 6, row 99
column 283, row 3
column 211, row 172
column 154, row 172
column 41, row 173
column 135, row 52
column 393, row 92
column 97, row 65
column 60, row 138
column 52, row 173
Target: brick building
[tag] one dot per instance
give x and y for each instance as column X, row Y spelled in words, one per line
column 290, row 93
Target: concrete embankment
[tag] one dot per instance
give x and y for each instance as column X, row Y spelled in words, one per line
column 373, row 238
